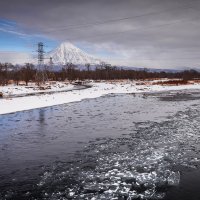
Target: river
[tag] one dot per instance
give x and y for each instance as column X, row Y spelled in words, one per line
column 123, row 146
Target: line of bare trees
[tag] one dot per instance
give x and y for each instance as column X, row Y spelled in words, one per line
column 71, row 72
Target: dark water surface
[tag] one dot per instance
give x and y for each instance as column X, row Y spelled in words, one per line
column 113, row 147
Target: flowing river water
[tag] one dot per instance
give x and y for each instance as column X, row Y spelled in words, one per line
column 113, row 147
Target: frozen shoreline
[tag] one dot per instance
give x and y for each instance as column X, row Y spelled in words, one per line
column 10, row 105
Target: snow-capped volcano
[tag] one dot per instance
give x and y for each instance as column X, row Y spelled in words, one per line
column 68, row 53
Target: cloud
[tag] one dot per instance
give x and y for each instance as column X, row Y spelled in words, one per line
column 13, row 32
column 151, row 33
column 15, row 57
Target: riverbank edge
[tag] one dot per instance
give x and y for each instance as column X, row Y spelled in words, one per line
column 13, row 105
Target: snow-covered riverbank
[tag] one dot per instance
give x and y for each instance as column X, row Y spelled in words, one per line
column 9, row 105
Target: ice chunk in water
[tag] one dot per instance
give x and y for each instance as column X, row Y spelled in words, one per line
column 173, row 179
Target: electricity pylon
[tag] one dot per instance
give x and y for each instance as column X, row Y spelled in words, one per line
column 41, row 75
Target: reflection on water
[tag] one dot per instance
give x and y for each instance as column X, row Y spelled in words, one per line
column 113, row 147
column 42, row 117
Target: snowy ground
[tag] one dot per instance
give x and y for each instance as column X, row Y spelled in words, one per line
column 32, row 88
column 9, row 105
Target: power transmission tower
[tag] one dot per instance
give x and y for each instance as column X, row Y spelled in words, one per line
column 50, row 61
column 40, row 54
column 41, row 75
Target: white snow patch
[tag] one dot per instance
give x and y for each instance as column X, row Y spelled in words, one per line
column 9, row 105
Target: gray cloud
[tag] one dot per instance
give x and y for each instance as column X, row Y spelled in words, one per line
column 157, row 34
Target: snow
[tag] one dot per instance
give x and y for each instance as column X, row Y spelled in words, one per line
column 19, row 90
column 10, row 105
column 68, row 53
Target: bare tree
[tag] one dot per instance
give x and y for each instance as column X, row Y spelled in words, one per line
column 27, row 72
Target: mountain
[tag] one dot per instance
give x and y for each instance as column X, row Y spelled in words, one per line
column 170, row 70
column 68, row 53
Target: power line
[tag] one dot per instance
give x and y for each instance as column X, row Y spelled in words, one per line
column 126, row 18
column 136, row 29
column 71, row 27
column 131, row 30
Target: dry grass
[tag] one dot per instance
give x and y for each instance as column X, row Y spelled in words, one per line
column 172, row 82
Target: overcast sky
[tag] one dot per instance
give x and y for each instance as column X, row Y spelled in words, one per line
column 141, row 33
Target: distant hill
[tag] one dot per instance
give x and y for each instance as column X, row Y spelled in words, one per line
column 151, row 69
